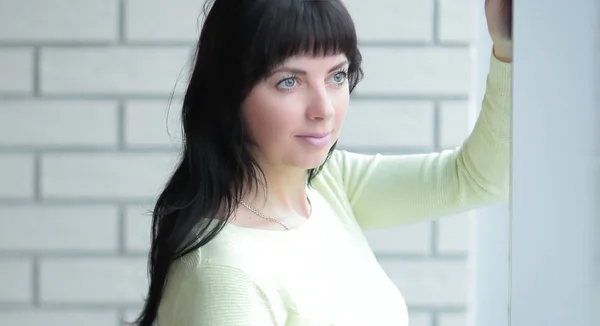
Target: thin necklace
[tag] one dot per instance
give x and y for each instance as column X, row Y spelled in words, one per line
column 263, row 216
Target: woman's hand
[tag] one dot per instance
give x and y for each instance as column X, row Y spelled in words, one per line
column 499, row 20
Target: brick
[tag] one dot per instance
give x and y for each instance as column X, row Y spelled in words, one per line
column 454, row 123
column 400, row 20
column 452, row 319
column 32, row 123
column 59, row 20
column 415, row 71
column 388, row 123
column 93, row 280
column 115, row 70
column 396, row 20
column 105, row 175
column 15, row 281
column 411, row 239
column 138, row 221
column 429, row 283
column 17, row 175
column 419, row 319
column 454, row 234
column 153, row 123
column 457, row 20
column 55, row 228
column 159, row 20
column 16, row 65
column 62, row 317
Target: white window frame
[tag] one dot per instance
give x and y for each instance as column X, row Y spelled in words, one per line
column 535, row 261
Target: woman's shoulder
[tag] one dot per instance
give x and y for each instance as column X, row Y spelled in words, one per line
column 221, row 255
column 200, row 266
column 186, row 265
column 196, row 285
column 343, row 169
column 343, row 163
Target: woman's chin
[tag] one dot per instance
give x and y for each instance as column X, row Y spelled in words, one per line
column 314, row 160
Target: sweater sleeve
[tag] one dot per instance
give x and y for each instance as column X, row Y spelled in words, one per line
column 389, row 190
column 214, row 295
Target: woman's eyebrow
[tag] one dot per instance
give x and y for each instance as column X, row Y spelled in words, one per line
column 302, row 72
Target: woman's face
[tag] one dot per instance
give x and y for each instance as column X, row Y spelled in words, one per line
column 295, row 115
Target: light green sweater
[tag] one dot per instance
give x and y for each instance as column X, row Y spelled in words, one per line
column 324, row 273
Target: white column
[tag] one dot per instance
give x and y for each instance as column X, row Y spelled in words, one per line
column 554, row 227
column 488, row 259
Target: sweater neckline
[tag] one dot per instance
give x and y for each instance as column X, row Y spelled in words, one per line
column 308, row 224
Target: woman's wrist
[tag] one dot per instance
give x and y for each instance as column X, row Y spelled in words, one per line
column 503, row 53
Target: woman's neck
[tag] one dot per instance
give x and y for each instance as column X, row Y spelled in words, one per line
column 283, row 193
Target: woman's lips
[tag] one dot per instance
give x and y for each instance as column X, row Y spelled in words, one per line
column 316, row 139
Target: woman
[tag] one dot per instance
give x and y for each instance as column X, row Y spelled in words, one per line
column 262, row 221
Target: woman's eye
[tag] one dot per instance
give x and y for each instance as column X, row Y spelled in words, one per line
column 340, row 77
column 287, row 83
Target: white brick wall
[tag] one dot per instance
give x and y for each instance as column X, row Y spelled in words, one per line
column 58, row 20
column 16, row 65
column 84, row 316
column 91, row 280
column 17, row 175
column 41, row 228
column 113, row 70
column 87, row 138
column 50, row 123
column 16, row 275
